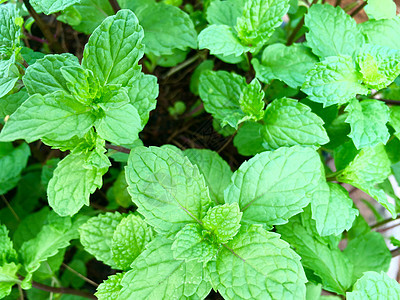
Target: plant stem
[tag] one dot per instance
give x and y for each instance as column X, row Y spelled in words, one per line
column 118, row 148
column 115, row 6
column 297, row 28
column 80, row 275
column 62, row 290
column 395, row 252
column 391, row 102
column 338, row 2
column 184, row 64
column 358, row 9
column 383, row 222
column 53, row 43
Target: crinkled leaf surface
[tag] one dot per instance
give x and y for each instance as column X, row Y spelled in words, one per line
column 275, row 185
column 225, row 12
column 377, row 286
column 251, row 101
column 7, row 252
column 382, row 32
column 367, row 121
column 51, row 6
column 110, row 288
column 288, row 122
column 335, row 80
column 332, row 32
column 168, row 190
column 8, row 278
column 257, row 264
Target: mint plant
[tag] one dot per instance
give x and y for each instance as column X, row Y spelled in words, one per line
column 199, row 150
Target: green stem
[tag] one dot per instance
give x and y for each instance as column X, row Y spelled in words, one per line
column 115, row 6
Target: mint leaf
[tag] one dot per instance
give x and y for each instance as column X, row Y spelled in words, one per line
column 223, row 221
column 332, row 210
column 379, row 65
column 394, row 120
column 52, row 6
column 220, row 92
column 368, row 252
column 287, row 63
column 129, row 239
column 96, row 236
column 191, row 244
column 142, row 93
column 225, row 12
column 168, row 190
column 115, row 48
column 10, row 103
column 256, row 264
column 216, row 171
column 380, row 9
column 7, row 252
column 9, row 75
column 327, row 262
column 251, row 101
column 120, row 126
column 221, row 40
column 259, row 20
column 367, row 121
column 275, row 185
column 371, row 166
column 156, row 274
column 333, row 81
column 45, row 77
column 288, row 122
column 175, row 31
column 56, row 234
column 373, row 284
column 248, row 139
column 382, row 32
column 9, row 30
column 12, row 162
column 8, row 277
column 56, row 116
column 327, row 26
column 72, row 183
column 110, row 288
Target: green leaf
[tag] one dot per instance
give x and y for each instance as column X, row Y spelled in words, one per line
column 327, row 262
column 368, row 252
column 56, row 116
column 56, row 234
column 287, row 63
column 223, row 221
column 110, row 288
column 216, row 171
column 380, row 9
column 379, row 65
column 10, row 103
column 97, row 234
column 225, row 12
column 8, row 277
column 114, row 49
column 259, row 20
column 12, row 162
column 256, row 264
column 333, row 81
column 275, row 185
column 192, row 244
column 120, row 126
column 72, row 184
column 129, row 239
column 168, row 190
column 327, row 26
column 382, row 32
column 251, row 101
column 374, row 286
column 332, row 209
column 248, row 139
column 52, row 6
column 9, row 30
column 142, row 93
column 371, row 166
column 166, row 28
column 394, row 120
column 221, row 40
column 220, row 92
column 288, row 122
column 367, row 121
column 45, row 77
column 156, row 274
column 9, row 75
column 7, row 252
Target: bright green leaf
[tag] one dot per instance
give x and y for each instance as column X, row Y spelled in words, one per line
column 52, row 6
column 380, row 9
column 382, row 32
column 251, row 101
column 110, row 288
